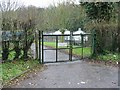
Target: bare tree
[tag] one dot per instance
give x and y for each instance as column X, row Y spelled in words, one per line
column 8, row 8
column 8, row 11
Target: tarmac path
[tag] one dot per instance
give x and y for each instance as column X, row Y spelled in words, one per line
column 77, row 74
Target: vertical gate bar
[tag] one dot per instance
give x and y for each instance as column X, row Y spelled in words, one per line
column 91, row 44
column 70, row 49
column 56, row 48
column 82, row 44
column 42, row 48
column 71, row 45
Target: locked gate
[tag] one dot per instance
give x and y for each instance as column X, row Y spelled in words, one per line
column 63, row 48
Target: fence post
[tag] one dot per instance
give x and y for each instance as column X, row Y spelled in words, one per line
column 56, row 48
column 70, row 49
column 82, row 43
column 94, row 43
column 40, row 47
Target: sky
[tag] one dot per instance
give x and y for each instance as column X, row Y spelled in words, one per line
column 46, row 3
column 42, row 3
column 38, row 3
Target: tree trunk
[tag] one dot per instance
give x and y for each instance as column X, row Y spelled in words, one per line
column 114, row 43
column 17, row 50
column 62, row 37
column 36, row 45
column 26, row 49
column 5, row 50
column 99, row 46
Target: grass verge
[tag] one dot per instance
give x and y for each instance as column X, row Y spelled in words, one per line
column 114, row 57
column 15, row 68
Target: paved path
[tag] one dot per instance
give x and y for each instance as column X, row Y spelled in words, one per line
column 77, row 74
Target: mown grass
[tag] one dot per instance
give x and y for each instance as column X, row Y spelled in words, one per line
column 12, row 69
column 51, row 44
column 76, row 51
column 86, row 51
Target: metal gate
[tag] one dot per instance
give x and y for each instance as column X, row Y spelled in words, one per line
column 63, row 48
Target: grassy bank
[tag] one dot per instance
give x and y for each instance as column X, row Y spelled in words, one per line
column 15, row 68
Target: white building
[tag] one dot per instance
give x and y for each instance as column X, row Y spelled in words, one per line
column 57, row 33
column 78, row 38
column 76, row 35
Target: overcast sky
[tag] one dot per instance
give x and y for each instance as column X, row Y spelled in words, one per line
column 46, row 3
column 40, row 3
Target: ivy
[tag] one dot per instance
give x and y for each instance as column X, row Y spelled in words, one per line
column 101, row 11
